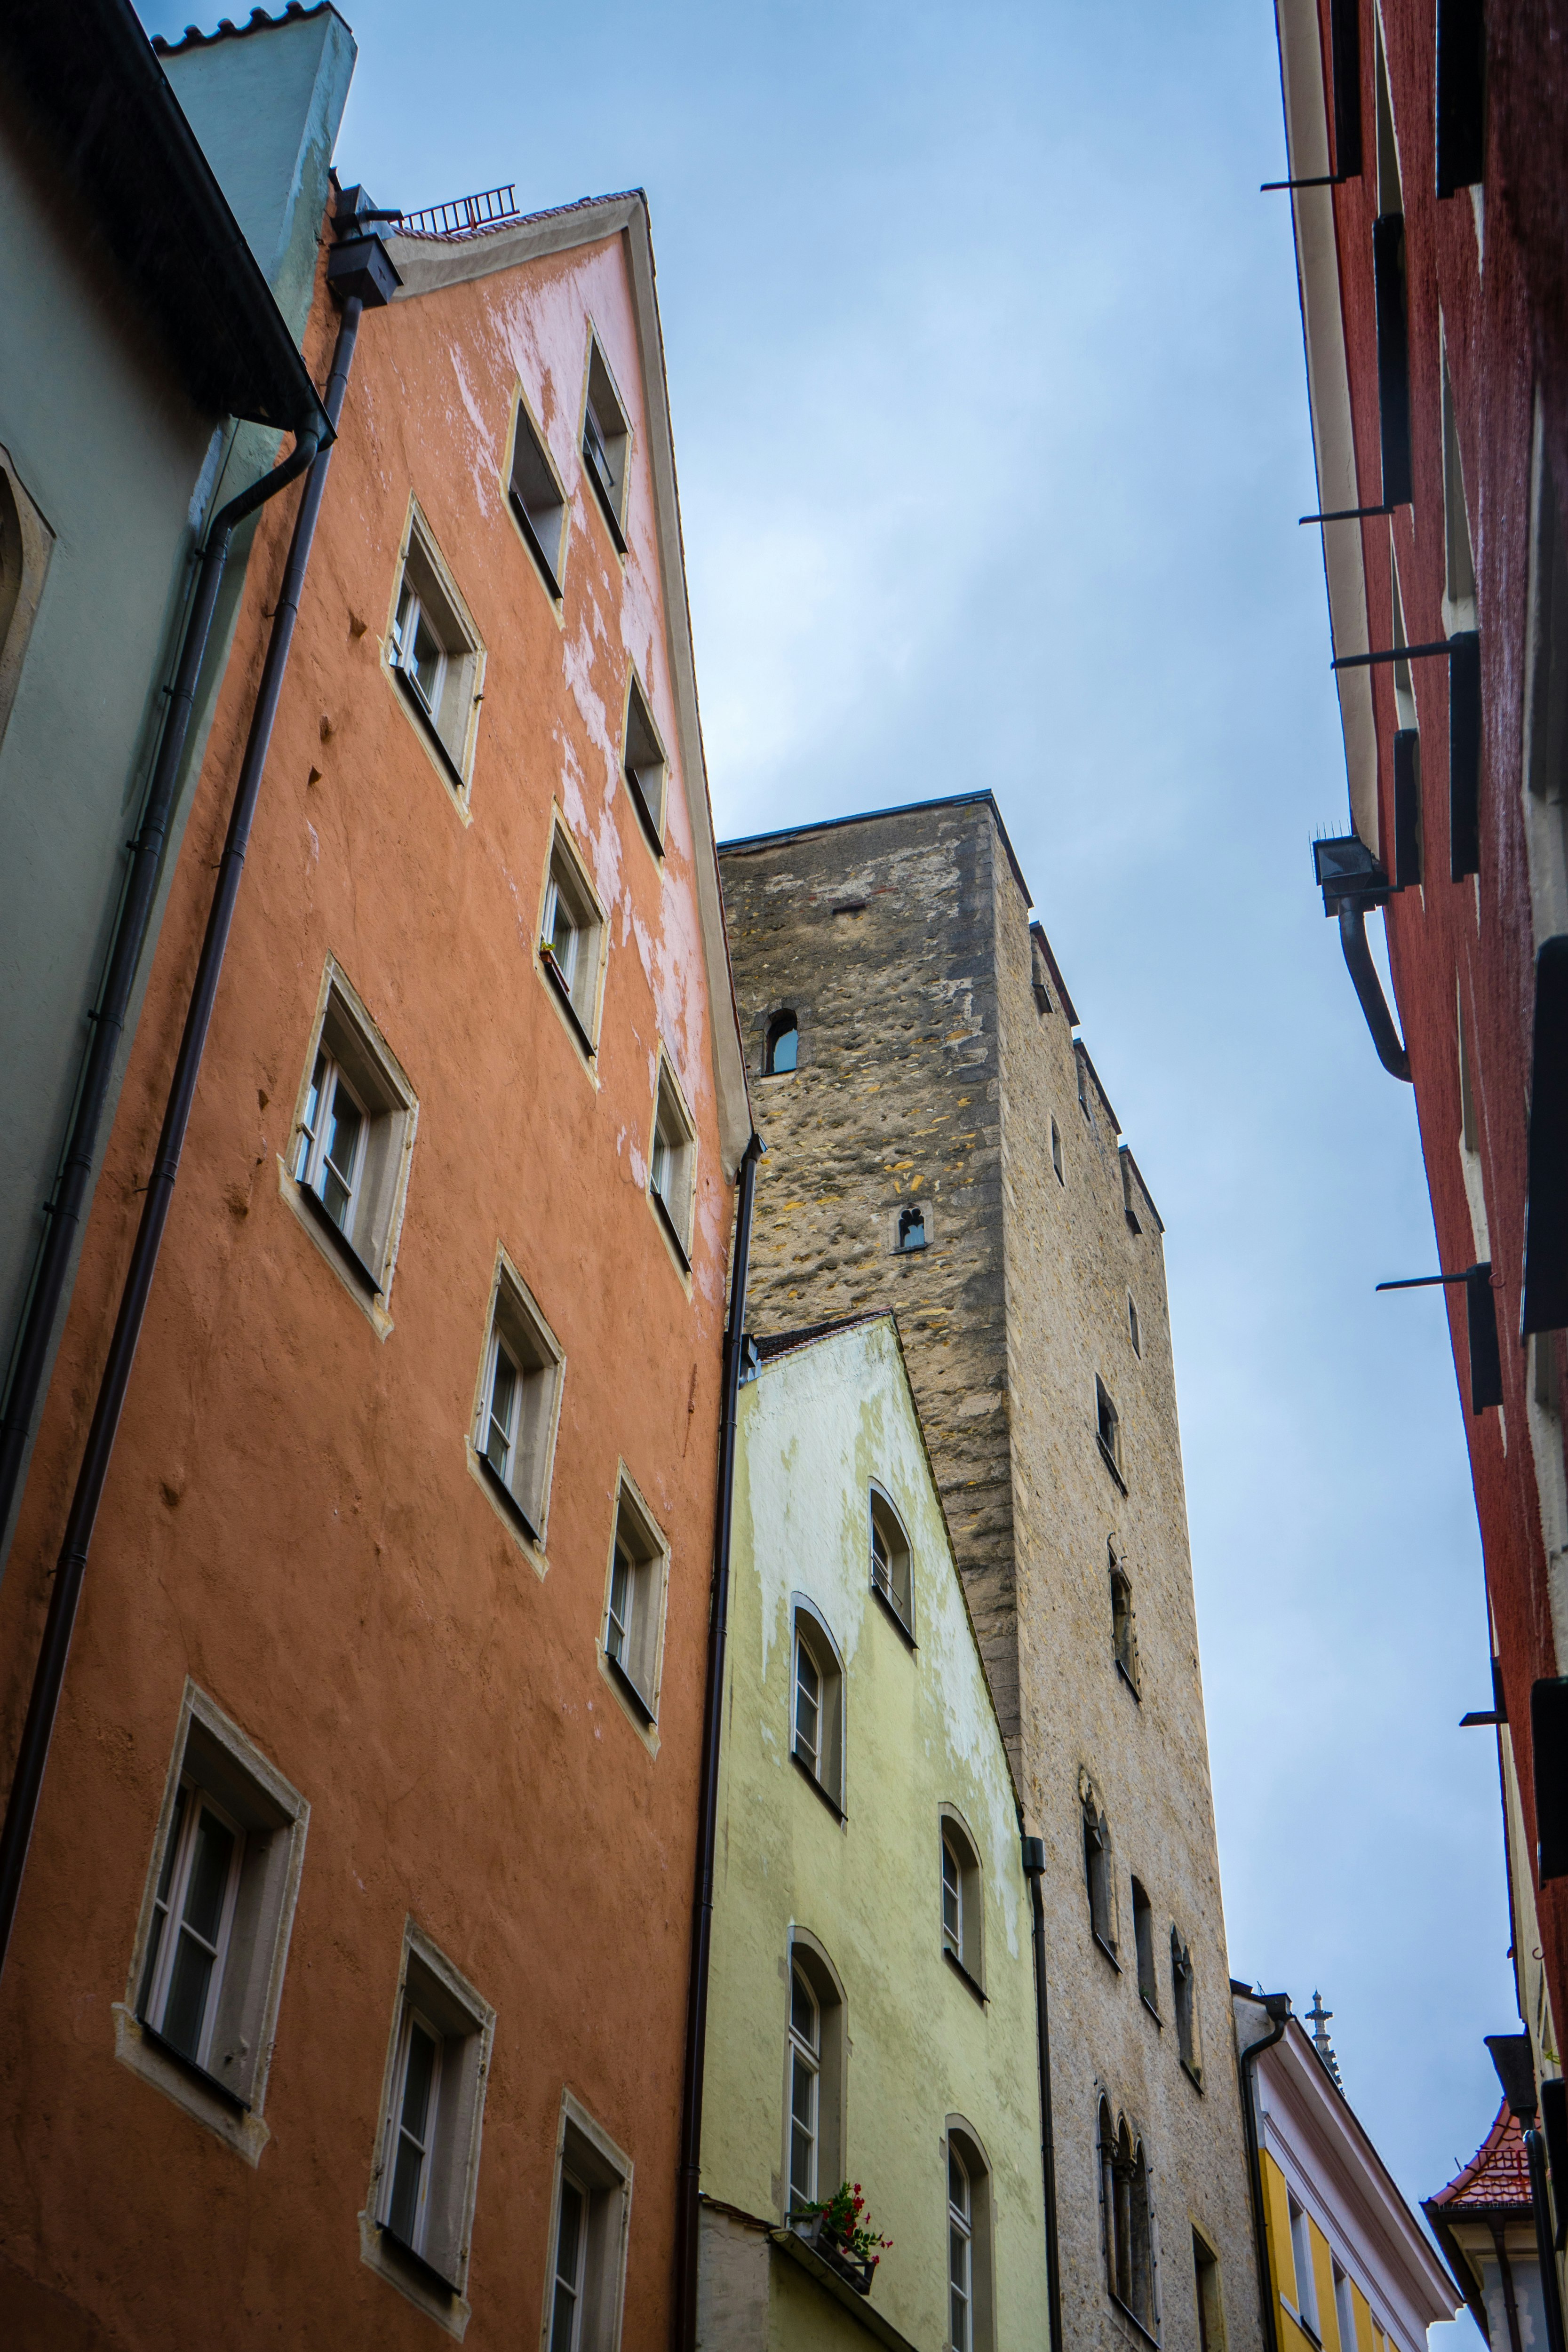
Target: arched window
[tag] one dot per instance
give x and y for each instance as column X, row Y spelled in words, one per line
column 912, row 1228
column 1187, row 2008
column 892, row 1572
column 817, row 1702
column 1124, row 2202
column 782, row 1054
column 963, row 1903
column 971, row 2322
column 1096, row 1867
column 815, row 2088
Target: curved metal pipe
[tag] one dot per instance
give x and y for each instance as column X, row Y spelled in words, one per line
column 1395, row 1060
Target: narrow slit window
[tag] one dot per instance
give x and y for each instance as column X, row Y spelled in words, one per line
column 1108, row 1427
column 645, row 766
column 1184, row 1992
column 1143, row 1938
column 672, row 1162
column 1133, row 1331
column 634, row 1604
column 538, row 501
column 1056, row 1151
column 806, row 2071
column 606, row 443
column 1123, row 1625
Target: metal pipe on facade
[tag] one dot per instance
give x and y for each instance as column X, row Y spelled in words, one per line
column 21, row 1809
column 132, row 926
column 1035, row 1870
column 1391, row 1053
column 689, row 2177
column 1278, row 2005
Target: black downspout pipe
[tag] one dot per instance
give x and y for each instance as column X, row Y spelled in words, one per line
column 1278, row 2005
column 1035, row 1870
column 1546, row 2252
column 65, row 1210
column 687, row 2179
column 21, row 1809
column 1391, row 1053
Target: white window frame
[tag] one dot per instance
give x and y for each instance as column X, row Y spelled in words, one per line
column 313, row 1161
column 448, row 719
column 1302, row 2264
column 573, row 2285
column 171, row 1923
column 952, row 1897
column 643, row 755
column 631, row 1634
column 607, row 420
column 362, row 1250
column 588, row 2157
column 397, row 2131
column 516, row 1329
column 224, row 2085
column 960, row 2241
column 543, row 524
column 824, row 1760
column 804, row 2066
column 960, row 1845
column 574, row 979
column 895, row 1561
column 672, row 1164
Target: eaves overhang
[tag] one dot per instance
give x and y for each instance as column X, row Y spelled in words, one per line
column 428, row 264
column 1328, row 392
column 86, row 77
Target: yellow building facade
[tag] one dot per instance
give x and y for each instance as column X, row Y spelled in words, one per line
column 871, row 2013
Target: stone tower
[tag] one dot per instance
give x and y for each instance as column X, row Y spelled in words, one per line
column 944, row 1146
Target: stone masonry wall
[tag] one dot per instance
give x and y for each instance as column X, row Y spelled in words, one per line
column 935, row 1050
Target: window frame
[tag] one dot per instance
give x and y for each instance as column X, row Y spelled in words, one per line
column 911, row 1234
column 804, row 1954
column 805, row 2065
column 1124, row 1622
column 448, row 731
column 884, row 1521
column 1143, row 1945
column 960, row 2138
column 365, row 1254
column 1184, row 2008
column 432, row 2275
column 1131, row 2271
column 808, row 1630
column 637, row 1680
column 1100, row 1873
column 171, row 1920
column 637, row 721
column 1208, row 2287
column 1056, row 1153
column 677, row 1220
column 603, row 2173
column 1303, row 2274
column 527, row 435
column 1106, row 1415
column 578, row 993
column 618, row 445
column 958, row 1840
column 515, row 1322
column 227, row 2090
column 784, row 1023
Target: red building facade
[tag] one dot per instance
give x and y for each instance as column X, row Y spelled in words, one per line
column 1428, row 155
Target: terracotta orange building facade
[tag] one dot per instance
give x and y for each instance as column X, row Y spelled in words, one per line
column 347, row 1987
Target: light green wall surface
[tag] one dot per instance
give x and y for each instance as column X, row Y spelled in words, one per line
column 815, row 1428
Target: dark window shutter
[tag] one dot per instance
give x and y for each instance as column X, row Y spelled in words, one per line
column 1555, row 2122
column 1392, row 356
column 1546, row 1201
column 1464, row 754
column 1461, row 94
column 1549, row 1760
column 1344, row 47
column 1480, row 1321
column 1406, row 808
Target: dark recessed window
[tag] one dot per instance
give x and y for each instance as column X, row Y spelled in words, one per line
column 1107, row 1423
column 783, row 1050
column 911, row 1229
column 1144, row 1936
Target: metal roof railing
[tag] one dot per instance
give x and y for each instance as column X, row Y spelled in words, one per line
column 464, row 217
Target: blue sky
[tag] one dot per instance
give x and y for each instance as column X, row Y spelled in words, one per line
column 986, row 369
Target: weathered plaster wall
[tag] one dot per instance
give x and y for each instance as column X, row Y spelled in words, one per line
column 292, row 1518
column 818, row 1425
column 929, row 1069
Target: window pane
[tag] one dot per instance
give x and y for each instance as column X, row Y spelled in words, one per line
column 562, row 934
column 809, row 1686
column 417, row 2083
column 951, row 1909
column 403, row 2212
column 503, row 1409
column 426, row 663
column 803, row 2129
column 308, row 1125
column 343, row 1134
column 563, row 2323
column 957, row 2183
column 161, row 1900
column 786, row 1046
column 184, row 2011
column 621, row 1589
column 803, row 2010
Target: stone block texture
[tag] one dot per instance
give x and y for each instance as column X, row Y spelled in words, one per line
column 940, row 1066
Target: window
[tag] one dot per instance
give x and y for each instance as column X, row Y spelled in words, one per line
column 1039, row 970
column 1123, row 1625
column 1135, row 1335
column 426, row 2164
column 645, row 766
column 815, row 2067
column 606, row 443
column 586, row 2286
column 206, row 1973
column 1301, row 2256
column 571, row 939
column 1124, row 2201
column 1211, row 2312
column 892, row 1572
column 781, row 1054
column 1143, row 1938
column 1107, row 1430
column 353, row 1137
column 1344, row 2310
column 969, row 2280
column 1459, row 561
column 1082, row 1085
column 634, row 1606
column 672, row 1163
column 911, row 1229
column 26, row 542
column 537, row 499
column 1546, row 699
column 817, row 1703
column 962, row 1908
column 435, row 656
column 1096, row 1867
column 520, row 1388
column 1186, row 2002
column 1056, row 1151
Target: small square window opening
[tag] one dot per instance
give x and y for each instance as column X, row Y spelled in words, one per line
column 912, row 1228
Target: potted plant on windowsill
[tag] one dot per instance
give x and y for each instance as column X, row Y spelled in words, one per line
column 838, row 2230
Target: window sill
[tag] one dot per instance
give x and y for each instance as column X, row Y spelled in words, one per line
column 629, row 1690
column 190, row 2088
column 1110, row 1460
column 1131, row 2316
column 409, row 2275
column 432, row 734
column 1109, row 1949
column 612, row 519
column 1150, row 2008
column 650, row 830
column 506, row 1498
column 197, row 2072
column 667, row 1221
column 1306, row 2327
column 316, row 1207
column 806, row 1774
column 973, row 1983
column 426, row 2272
column 903, row 1630
column 552, row 971
column 531, row 537
column 1127, row 1678
column 1196, row 2079
column 792, row 2247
